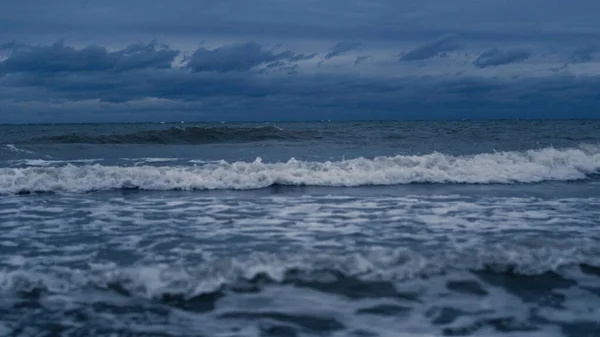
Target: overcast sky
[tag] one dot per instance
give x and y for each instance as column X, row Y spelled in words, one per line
column 196, row 60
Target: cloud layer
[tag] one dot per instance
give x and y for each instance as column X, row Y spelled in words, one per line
column 241, row 81
column 334, row 20
column 281, row 60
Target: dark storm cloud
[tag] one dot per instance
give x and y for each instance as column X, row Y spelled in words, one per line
column 241, row 57
column 445, row 43
column 59, row 57
column 343, row 47
column 496, row 57
column 336, row 91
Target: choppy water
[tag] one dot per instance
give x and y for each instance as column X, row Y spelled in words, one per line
column 303, row 229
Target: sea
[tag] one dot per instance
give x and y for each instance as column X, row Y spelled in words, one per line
column 414, row 228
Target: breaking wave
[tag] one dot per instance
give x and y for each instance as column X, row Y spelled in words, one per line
column 531, row 166
column 180, row 135
column 495, row 295
column 376, row 264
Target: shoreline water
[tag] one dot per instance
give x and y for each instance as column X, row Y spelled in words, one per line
column 487, row 230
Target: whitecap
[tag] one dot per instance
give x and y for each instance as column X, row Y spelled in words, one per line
column 531, row 166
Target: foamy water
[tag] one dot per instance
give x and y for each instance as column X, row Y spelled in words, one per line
column 313, row 265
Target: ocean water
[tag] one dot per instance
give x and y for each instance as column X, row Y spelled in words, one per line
column 301, row 229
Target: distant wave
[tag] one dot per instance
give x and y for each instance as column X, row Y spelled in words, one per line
column 42, row 162
column 13, row 148
column 531, row 166
column 177, row 135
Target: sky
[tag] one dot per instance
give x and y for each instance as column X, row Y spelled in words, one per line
column 239, row 60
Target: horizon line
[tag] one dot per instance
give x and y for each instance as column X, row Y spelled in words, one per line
column 310, row 121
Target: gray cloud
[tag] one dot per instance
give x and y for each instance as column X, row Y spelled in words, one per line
column 61, row 58
column 302, row 57
column 496, row 57
column 583, row 54
column 444, row 43
column 343, row 47
column 151, row 55
column 241, row 57
column 360, row 59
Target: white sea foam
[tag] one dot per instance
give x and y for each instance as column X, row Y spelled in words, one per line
column 531, row 166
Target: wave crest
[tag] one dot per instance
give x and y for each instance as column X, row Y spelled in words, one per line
column 531, row 166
